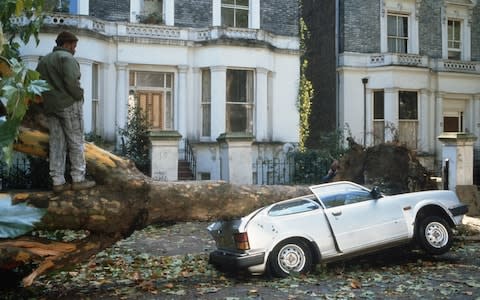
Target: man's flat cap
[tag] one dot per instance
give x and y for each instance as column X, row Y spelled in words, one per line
column 66, row 36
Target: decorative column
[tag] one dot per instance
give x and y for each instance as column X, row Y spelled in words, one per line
column 369, row 116
column 121, row 97
column 164, row 155
column 82, row 7
column 182, row 100
column 216, row 13
column 86, row 83
column 425, row 121
column 261, row 105
column 390, row 112
column 458, row 149
column 438, row 125
column 476, row 117
column 169, row 12
column 254, row 17
column 135, row 10
column 218, row 106
column 236, row 157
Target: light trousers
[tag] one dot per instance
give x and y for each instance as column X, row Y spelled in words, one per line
column 66, row 135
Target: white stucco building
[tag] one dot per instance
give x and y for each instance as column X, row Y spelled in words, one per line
column 209, row 69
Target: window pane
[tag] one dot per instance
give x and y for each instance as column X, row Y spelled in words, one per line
column 206, row 115
column 242, row 18
column 227, row 17
column 237, row 118
column 236, row 86
column 402, row 46
column 228, row 1
column 169, row 111
column 378, row 105
column 392, row 45
column 206, row 102
column 239, row 97
column 150, row 79
column 242, row 2
column 392, row 25
column 403, row 27
column 407, row 103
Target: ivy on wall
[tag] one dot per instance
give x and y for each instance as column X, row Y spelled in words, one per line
column 305, row 93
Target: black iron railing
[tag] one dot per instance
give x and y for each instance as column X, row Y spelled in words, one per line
column 190, row 158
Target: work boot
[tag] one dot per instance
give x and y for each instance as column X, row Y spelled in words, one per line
column 61, row 187
column 82, row 185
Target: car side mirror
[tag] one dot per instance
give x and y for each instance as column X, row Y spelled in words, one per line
column 375, row 192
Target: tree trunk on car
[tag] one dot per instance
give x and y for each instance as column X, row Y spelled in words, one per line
column 123, row 201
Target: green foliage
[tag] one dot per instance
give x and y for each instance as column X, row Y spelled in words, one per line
column 152, row 18
column 309, row 166
column 135, row 137
column 305, row 93
column 18, row 219
column 30, row 10
column 331, row 145
column 17, row 90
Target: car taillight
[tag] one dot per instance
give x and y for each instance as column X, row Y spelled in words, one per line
column 241, row 241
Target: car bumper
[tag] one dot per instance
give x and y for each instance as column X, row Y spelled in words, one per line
column 231, row 260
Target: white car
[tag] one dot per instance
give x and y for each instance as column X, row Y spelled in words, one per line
column 339, row 220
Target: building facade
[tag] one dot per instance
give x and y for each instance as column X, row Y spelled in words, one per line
column 222, row 74
column 405, row 70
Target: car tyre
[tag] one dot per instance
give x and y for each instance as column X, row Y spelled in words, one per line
column 435, row 235
column 289, row 257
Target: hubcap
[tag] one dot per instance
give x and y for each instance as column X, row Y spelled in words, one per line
column 436, row 234
column 291, row 258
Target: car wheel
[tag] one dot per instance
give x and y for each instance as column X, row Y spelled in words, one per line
column 290, row 256
column 435, row 235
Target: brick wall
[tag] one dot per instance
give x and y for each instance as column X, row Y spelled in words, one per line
column 430, row 28
column 476, row 33
column 279, row 16
column 193, row 13
column 110, row 10
column 361, row 26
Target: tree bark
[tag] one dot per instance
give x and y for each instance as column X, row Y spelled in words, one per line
column 123, row 201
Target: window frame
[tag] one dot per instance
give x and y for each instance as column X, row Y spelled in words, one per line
column 409, row 137
column 235, row 7
column 463, row 13
column 206, row 103
column 408, row 8
column 378, row 121
column 249, row 102
column 397, row 38
column 457, row 50
column 167, row 91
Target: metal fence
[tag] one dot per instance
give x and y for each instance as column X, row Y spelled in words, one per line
column 24, row 173
column 289, row 171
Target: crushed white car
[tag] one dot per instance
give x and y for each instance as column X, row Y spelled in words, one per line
column 339, row 220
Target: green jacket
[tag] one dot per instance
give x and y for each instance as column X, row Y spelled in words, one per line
column 62, row 72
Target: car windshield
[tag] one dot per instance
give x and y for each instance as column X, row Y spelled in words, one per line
column 295, row 206
column 342, row 193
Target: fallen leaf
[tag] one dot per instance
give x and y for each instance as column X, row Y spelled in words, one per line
column 355, row 284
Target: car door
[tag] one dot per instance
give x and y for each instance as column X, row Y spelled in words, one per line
column 362, row 222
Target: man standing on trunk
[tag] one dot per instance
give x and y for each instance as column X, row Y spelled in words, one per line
column 63, row 107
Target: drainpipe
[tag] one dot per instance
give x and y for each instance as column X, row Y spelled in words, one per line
column 365, row 81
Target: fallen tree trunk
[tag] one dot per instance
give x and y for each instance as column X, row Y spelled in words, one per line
column 123, row 201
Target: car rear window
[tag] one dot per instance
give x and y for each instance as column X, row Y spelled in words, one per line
column 293, row 207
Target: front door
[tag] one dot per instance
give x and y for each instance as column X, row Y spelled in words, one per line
column 153, row 105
